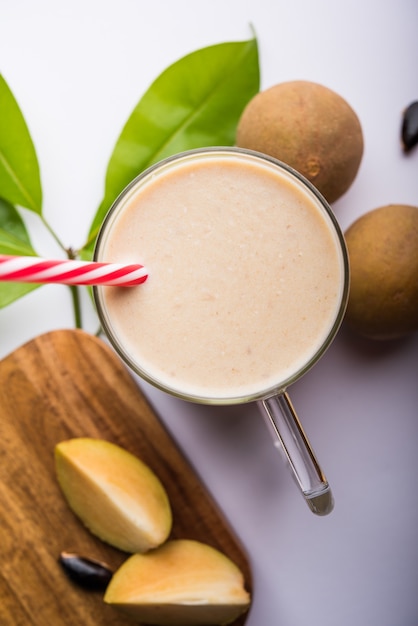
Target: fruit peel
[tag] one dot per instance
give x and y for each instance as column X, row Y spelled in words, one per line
column 117, row 496
column 309, row 127
column 383, row 251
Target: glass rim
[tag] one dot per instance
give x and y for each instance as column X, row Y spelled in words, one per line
column 281, row 385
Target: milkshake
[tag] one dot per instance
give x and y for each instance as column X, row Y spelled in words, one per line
column 247, row 276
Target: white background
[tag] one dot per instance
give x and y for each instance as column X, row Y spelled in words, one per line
column 77, row 70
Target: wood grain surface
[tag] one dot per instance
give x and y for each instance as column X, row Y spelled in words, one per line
column 70, row 384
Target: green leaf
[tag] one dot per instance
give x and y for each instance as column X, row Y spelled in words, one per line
column 14, row 240
column 20, row 182
column 194, row 103
column 10, row 292
column 11, row 222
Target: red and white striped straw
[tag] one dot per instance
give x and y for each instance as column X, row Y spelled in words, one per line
column 32, row 269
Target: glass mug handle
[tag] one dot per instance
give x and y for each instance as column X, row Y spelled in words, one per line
column 289, row 435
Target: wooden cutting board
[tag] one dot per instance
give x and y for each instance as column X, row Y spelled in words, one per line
column 70, row 384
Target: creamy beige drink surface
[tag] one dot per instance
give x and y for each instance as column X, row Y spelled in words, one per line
column 245, row 276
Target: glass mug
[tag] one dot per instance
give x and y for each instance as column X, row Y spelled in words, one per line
column 247, row 285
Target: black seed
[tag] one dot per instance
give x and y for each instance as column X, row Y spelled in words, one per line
column 409, row 132
column 85, row 572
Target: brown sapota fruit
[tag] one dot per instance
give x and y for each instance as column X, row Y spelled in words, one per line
column 309, row 127
column 383, row 251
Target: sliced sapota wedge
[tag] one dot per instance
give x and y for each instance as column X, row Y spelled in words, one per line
column 117, row 496
column 181, row 583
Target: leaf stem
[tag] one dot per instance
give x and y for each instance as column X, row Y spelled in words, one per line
column 71, row 254
column 76, row 306
column 91, row 239
column 53, row 233
column 75, row 294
